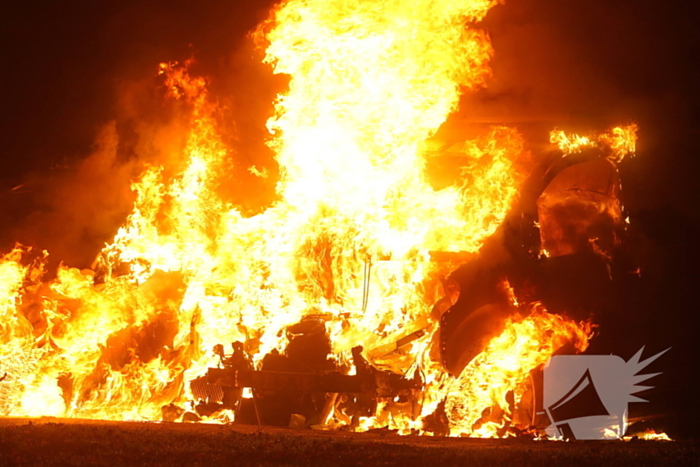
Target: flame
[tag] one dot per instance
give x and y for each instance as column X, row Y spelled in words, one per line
column 649, row 434
column 617, row 143
column 349, row 238
column 504, row 367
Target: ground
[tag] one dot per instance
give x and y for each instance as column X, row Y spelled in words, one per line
column 46, row 441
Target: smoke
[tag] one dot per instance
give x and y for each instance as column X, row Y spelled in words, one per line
column 590, row 65
column 87, row 112
column 71, row 70
column 74, row 209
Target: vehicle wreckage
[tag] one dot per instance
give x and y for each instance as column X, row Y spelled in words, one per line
column 561, row 245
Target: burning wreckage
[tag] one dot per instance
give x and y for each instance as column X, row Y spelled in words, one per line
column 367, row 295
column 560, row 245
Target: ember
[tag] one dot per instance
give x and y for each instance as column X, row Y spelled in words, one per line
column 364, row 296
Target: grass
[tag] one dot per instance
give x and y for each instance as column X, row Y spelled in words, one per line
column 83, row 443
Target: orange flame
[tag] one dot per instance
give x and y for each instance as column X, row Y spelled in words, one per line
column 504, row 367
column 617, row 143
column 349, row 238
column 651, row 435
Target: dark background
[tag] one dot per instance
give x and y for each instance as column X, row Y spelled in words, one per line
column 580, row 65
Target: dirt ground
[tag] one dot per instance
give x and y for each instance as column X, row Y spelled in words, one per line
column 47, row 441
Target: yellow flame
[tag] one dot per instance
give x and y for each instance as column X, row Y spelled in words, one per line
column 504, row 367
column 650, row 434
column 617, row 143
column 349, row 238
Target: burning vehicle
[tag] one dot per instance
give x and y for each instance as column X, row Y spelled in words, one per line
column 366, row 295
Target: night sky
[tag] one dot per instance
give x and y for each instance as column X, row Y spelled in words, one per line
column 66, row 67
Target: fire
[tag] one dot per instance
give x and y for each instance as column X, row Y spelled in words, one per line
column 651, row 435
column 504, row 368
column 617, row 143
column 350, row 240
